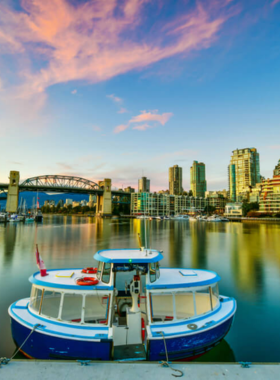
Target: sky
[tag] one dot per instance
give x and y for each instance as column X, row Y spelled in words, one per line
column 127, row 88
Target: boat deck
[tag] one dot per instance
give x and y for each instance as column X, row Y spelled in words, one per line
column 66, row 279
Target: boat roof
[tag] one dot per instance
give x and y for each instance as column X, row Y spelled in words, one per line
column 136, row 256
column 66, row 279
column 173, row 278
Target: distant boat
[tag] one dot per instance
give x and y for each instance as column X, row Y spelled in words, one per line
column 29, row 219
column 192, row 218
column 214, row 218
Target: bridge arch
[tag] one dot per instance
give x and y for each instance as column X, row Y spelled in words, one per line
column 60, row 181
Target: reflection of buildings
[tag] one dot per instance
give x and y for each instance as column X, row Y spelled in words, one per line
column 10, row 235
column 176, row 251
column 246, row 257
column 198, row 252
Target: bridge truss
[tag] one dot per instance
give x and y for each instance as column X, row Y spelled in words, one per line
column 59, row 182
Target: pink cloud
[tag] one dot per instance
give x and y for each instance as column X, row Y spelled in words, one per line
column 120, row 128
column 123, row 110
column 142, row 127
column 151, row 116
column 115, row 99
column 94, row 40
column 74, row 92
column 96, row 128
column 275, row 2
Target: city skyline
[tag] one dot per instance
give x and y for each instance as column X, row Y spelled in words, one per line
column 166, row 84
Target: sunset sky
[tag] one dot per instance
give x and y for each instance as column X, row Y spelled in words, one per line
column 124, row 88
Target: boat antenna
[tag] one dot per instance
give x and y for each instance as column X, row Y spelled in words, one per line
column 145, row 227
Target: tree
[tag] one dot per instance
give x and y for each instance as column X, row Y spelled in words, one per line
column 209, row 209
column 246, row 207
column 190, row 193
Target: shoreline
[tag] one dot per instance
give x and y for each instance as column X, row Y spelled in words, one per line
column 235, row 219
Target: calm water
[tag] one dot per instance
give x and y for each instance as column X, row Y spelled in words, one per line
column 245, row 255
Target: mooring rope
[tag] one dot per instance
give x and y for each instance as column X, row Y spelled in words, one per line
column 165, row 363
column 7, row 360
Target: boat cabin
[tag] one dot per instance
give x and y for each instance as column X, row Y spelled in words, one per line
column 132, row 301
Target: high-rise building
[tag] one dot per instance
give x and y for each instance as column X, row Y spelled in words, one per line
column 175, row 180
column 143, row 185
column 198, row 179
column 276, row 171
column 243, row 171
column 270, row 193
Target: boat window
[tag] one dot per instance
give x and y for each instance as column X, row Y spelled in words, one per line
column 154, row 271
column 50, row 305
column 72, row 307
column 106, row 273
column 203, row 302
column 162, row 307
column 99, row 270
column 184, row 303
column 35, row 299
column 96, row 308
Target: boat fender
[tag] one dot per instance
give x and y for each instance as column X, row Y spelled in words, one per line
column 143, row 330
column 86, row 281
column 89, row 270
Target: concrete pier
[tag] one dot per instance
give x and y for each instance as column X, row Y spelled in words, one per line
column 70, row 370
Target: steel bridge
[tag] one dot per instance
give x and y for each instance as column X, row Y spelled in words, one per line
column 66, row 184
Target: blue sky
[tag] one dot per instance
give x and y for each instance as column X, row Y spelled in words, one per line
column 125, row 88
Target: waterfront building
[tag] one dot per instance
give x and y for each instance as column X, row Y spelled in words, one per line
column 217, row 200
column 233, row 209
column 254, row 195
column 270, row 193
column 243, row 171
column 143, row 185
column 159, row 204
column 60, row 203
column 175, row 180
column 198, row 179
column 129, row 189
column 276, row 171
column 68, row 202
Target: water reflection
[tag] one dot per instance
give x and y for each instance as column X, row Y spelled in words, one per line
column 245, row 255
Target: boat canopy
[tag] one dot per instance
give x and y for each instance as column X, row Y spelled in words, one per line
column 129, row 256
column 171, row 278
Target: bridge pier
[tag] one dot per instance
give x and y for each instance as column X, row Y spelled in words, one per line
column 13, row 190
column 104, row 201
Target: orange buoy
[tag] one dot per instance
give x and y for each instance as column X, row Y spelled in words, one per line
column 89, row 270
column 87, row 281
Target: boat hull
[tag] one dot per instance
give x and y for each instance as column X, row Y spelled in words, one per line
column 188, row 347
column 43, row 346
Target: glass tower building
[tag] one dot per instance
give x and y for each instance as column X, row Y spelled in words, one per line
column 175, row 180
column 243, row 171
column 198, row 179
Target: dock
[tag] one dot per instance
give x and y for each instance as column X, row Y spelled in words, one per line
column 72, row 370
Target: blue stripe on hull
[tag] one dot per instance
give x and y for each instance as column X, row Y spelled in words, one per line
column 189, row 345
column 41, row 346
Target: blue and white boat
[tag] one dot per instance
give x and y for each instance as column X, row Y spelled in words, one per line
column 128, row 310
